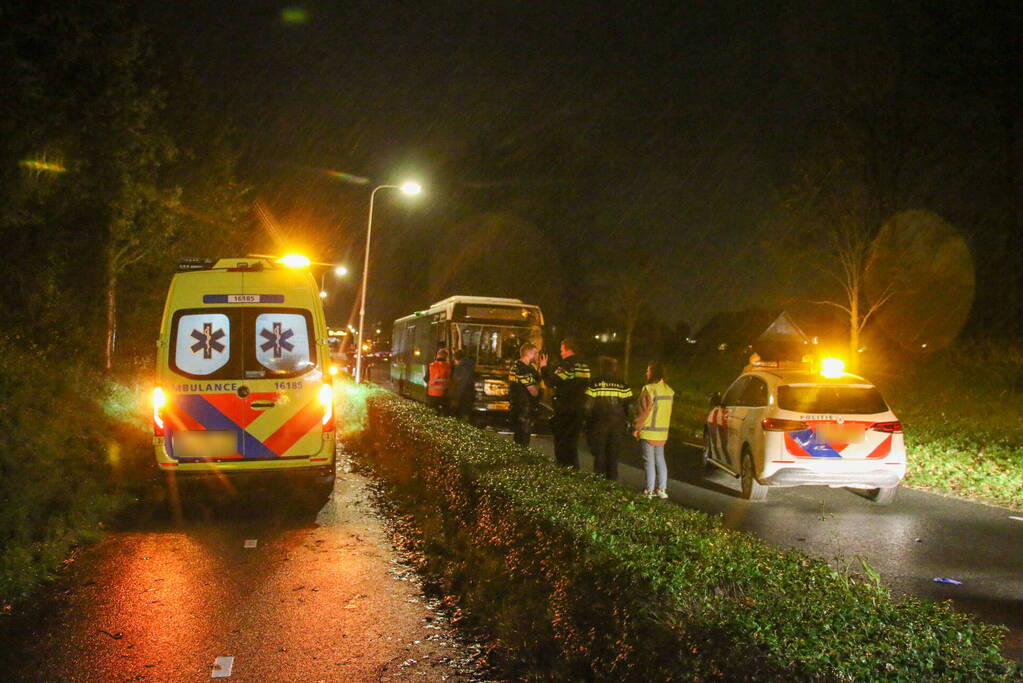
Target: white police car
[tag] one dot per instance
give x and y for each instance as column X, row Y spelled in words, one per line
column 794, row 427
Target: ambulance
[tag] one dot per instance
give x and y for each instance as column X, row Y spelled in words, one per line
column 243, row 375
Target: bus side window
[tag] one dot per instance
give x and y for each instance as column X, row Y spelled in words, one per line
column 422, row 340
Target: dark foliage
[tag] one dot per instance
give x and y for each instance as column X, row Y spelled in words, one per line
column 56, row 474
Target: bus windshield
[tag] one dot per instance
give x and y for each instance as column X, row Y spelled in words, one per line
column 493, row 345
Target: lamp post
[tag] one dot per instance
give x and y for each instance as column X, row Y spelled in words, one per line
column 407, row 188
column 339, row 271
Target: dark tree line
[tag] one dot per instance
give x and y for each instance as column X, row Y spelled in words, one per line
column 110, row 169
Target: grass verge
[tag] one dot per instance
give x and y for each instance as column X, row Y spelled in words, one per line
column 585, row 580
column 67, row 454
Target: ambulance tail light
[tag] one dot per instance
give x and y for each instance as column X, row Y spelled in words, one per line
column 770, row 424
column 888, row 427
column 327, row 402
column 159, row 401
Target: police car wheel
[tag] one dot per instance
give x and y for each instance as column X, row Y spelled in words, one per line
column 752, row 489
column 705, row 451
column 883, row 496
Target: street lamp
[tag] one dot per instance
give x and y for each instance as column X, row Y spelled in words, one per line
column 339, row 271
column 408, row 188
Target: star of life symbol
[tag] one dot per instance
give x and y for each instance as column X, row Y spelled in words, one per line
column 207, row 341
column 277, row 340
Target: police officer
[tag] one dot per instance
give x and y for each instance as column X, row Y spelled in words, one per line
column 524, row 387
column 438, row 377
column 608, row 407
column 463, row 384
column 568, row 379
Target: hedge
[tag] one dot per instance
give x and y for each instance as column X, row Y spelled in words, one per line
column 62, row 463
column 583, row 579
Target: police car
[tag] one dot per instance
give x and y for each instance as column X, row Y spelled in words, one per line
column 243, row 375
column 794, row 427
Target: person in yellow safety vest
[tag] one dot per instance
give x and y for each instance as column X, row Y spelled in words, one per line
column 651, row 428
column 438, row 377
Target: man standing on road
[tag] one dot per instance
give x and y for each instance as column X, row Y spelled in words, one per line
column 438, row 377
column 568, row 379
column 463, row 384
column 608, row 410
column 524, row 387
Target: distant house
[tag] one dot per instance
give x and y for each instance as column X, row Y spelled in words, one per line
column 781, row 334
column 731, row 330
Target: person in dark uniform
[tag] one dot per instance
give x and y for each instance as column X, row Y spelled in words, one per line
column 524, row 390
column 568, row 380
column 463, row 385
column 608, row 406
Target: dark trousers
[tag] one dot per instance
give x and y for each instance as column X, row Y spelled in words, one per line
column 438, row 403
column 566, row 427
column 605, row 443
column 521, row 418
column 461, row 403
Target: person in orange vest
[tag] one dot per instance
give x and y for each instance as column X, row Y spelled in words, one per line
column 438, row 378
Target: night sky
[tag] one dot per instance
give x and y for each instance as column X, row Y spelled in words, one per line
column 571, row 138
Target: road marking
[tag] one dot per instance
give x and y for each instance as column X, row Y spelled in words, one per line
column 250, row 543
column 1018, row 519
column 222, row 667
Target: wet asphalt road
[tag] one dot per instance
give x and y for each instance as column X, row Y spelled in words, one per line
column 917, row 538
column 321, row 597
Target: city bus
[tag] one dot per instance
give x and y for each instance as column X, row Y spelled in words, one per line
column 490, row 331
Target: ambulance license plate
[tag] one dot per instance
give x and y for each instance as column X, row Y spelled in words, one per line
column 206, row 444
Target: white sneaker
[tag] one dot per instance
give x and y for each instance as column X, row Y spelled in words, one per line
column 662, row 493
column 647, row 493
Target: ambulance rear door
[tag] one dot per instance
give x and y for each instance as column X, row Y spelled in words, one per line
column 284, row 417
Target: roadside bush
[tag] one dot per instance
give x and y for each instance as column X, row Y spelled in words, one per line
column 57, row 451
column 585, row 580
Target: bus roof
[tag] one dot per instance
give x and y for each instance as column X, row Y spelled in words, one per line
column 451, row 301
column 462, row 299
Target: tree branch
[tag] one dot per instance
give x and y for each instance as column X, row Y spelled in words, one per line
column 830, row 303
column 888, row 293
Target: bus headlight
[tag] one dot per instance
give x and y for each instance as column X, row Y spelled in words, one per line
column 493, row 387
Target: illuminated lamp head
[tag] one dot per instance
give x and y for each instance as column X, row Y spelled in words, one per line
column 832, row 367
column 295, row 261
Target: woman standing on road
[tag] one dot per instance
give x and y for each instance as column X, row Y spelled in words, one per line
column 651, row 428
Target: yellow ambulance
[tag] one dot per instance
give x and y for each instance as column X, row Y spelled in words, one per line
column 243, row 381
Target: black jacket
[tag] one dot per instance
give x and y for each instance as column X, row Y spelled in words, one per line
column 569, row 379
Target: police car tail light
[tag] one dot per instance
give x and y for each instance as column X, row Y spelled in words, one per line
column 770, row 424
column 888, row 427
column 159, row 401
column 327, row 402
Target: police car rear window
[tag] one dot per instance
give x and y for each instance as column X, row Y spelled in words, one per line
column 831, row 399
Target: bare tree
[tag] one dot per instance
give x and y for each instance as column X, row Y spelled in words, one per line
column 629, row 290
column 834, row 230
